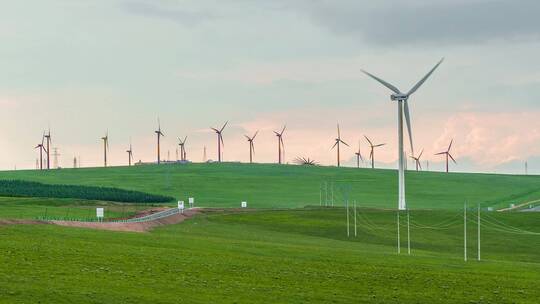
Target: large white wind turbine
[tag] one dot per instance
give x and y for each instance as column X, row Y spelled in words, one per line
column 403, row 108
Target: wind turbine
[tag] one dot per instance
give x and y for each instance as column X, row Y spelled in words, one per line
column 358, row 156
column 280, row 143
column 182, row 144
column 447, row 154
column 48, row 139
column 41, row 147
column 130, row 153
column 158, row 134
column 403, row 110
column 417, row 160
column 251, row 146
column 105, row 147
column 220, row 142
column 372, row 153
column 338, row 141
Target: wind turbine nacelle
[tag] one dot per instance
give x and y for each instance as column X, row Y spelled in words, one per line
column 399, row 97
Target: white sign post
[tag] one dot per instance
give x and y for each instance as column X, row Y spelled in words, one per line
column 244, row 204
column 181, row 206
column 99, row 214
column 191, row 201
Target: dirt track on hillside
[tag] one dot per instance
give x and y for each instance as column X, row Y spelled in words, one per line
column 133, row 227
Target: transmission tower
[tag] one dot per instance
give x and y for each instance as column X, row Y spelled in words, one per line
column 55, row 159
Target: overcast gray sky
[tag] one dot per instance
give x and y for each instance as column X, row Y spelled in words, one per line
column 84, row 67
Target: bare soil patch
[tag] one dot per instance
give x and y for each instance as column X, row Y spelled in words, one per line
column 133, row 227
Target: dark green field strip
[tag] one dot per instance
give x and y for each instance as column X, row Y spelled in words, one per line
column 20, row 188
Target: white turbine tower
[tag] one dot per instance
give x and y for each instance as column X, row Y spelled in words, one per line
column 403, row 106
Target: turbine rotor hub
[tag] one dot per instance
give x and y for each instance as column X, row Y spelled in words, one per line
column 399, row 97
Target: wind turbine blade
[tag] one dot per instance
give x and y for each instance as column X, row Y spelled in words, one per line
column 450, row 155
column 440, row 153
column 249, row 139
column 252, row 146
column 450, row 146
column 371, row 154
column 221, row 139
column 408, row 120
column 384, row 83
column 216, row 130
column 346, row 144
column 420, row 165
column 255, row 135
column 379, row 145
column 222, row 128
column 421, row 152
column 277, row 134
column 335, row 144
column 416, row 86
column 283, row 130
column 338, row 133
column 369, row 141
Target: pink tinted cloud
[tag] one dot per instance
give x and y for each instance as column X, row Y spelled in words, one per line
column 489, row 139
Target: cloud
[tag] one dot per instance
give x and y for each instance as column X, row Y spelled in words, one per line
column 490, row 139
column 392, row 23
column 153, row 9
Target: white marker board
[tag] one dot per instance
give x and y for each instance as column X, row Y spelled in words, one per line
column 181, row 205
column 99, row 212
column 244, row 204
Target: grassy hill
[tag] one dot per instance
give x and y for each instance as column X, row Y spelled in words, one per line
column 267, row 185
column 289, row 256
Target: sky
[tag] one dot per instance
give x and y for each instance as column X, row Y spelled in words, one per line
column 84, row 68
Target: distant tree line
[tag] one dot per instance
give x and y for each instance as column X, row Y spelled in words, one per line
column 19, row 188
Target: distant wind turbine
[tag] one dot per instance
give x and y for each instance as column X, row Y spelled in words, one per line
column 417, row 160
column 281, row 145
column 447, row 154
column 48, row 150
column 338, row 142
column 372, row 152
column 251, row 146
column 41, row 148
column 182, row 144
column 105, row 147
column 358, row 156
column 159, row 134
column 220, row 142
column 130, row 153
column 403, row 109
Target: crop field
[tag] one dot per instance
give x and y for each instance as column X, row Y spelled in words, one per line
column 285, row 248
column 273, row 186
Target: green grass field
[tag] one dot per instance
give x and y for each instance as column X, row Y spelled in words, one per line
column 294, row 254
column 272, row 186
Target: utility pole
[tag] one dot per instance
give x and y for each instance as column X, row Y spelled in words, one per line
column 408, row 234
column 478, row 232
column 465, row 232
column 355, row 219
column 347, row 204
column 332, row 189
column 320, row 195
column 398, row 241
